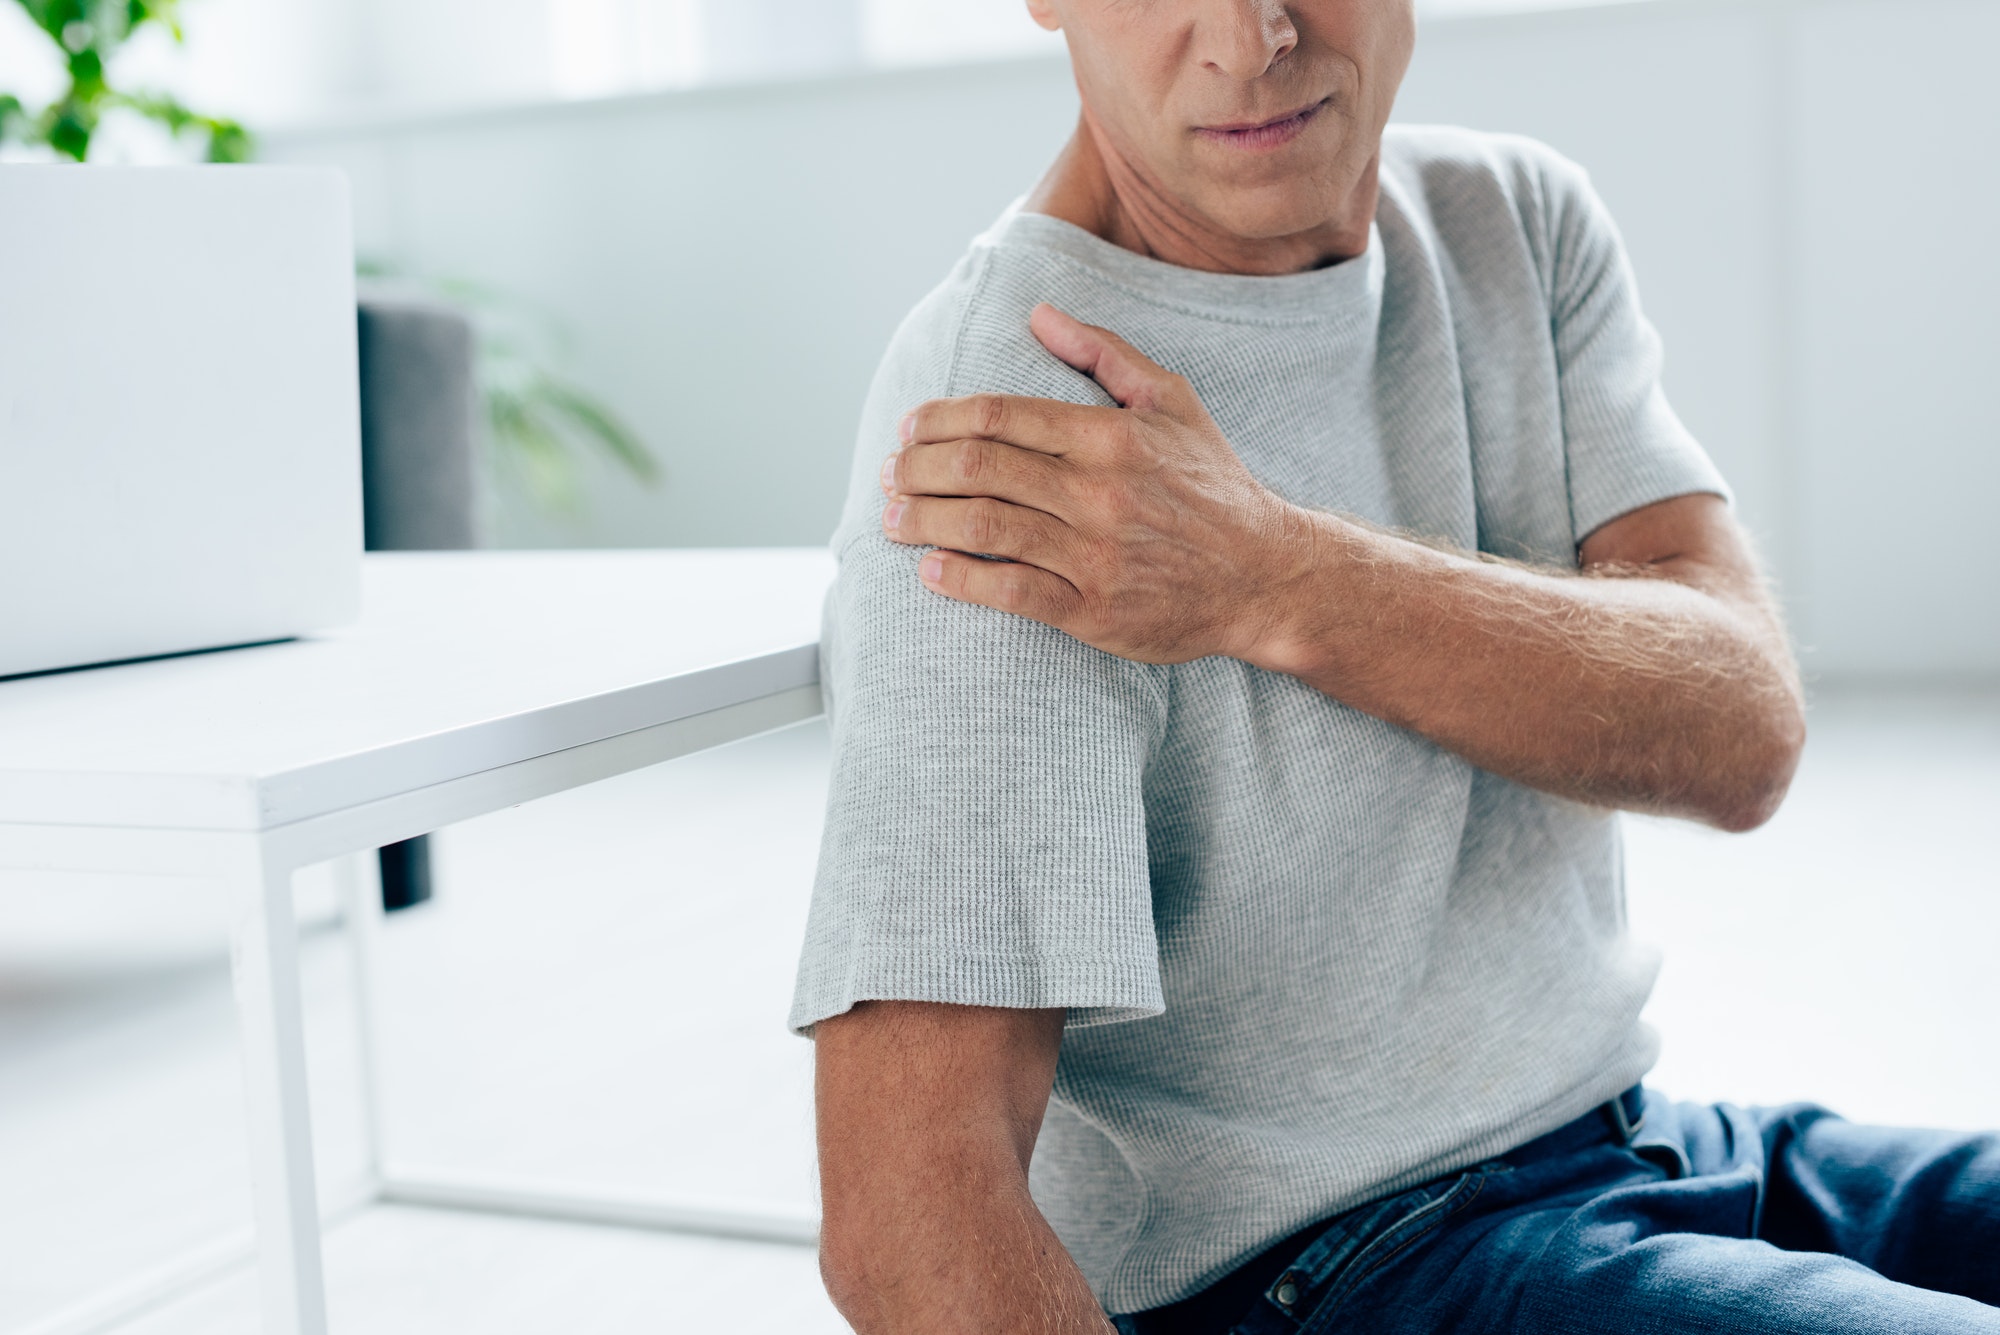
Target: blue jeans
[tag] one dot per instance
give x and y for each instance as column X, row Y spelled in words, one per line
column 1699, row 1219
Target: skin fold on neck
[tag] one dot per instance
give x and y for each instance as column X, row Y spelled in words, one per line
column 1110, row 194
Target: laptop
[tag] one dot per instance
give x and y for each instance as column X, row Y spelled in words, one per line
column 180, row 441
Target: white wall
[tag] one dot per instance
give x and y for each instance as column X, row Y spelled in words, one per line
column 1897, row 375
column 731, row 261
column 281, row 63
column 1805, row 185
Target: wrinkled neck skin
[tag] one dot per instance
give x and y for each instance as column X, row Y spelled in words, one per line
column 1111, row 195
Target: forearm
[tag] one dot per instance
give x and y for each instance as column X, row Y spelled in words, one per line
column 1627, row 688
column 953, row 1257
column 928, row 1116
column 1661, row 681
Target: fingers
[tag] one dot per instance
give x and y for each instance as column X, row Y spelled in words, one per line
column 975, row 468
column 1047, row 426
column 979, row 524
column 1024, row 590
column 1050, row 426
column 1126, row 373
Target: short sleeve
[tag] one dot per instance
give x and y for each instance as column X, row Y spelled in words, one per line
column 1626, row 447
column 985, row 832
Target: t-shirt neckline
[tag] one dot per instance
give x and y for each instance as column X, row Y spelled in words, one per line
column 1345, row 290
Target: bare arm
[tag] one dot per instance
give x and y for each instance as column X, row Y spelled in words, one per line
column 927, row 1118
column 1657, row 678
column 1660, row 680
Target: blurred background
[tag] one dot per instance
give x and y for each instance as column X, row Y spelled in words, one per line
column 727, row 205
column 696, row 223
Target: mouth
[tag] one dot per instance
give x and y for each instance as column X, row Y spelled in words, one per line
column 1256, row 135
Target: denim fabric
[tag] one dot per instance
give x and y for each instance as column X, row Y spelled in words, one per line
column 1710, row 1218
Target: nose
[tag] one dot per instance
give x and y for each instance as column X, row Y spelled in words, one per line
column 1245, row 38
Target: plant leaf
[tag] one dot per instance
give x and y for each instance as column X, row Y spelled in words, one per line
column 538, row 424
column 14, row 122
column 599, row 425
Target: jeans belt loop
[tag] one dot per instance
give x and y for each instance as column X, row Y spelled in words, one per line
column 1622, row 1121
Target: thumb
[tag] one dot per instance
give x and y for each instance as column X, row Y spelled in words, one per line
column 1127, row 374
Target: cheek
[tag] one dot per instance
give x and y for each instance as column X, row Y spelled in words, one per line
column 1132, row 103
column 1373, row 43
column 1128, row 60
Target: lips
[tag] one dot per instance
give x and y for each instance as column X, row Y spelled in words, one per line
column 1264, row 134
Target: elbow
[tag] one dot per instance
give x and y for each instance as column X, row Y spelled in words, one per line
column 851, row 1269
column 1762, row 775
column 1746, row 814
column 868, row 1262
column 844, row 1283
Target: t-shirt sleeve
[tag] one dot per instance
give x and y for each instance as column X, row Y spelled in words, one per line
column 1626, row 446
column 985, row 836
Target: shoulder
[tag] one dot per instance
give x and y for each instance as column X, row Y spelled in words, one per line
column 970, row 334
column 1442, row 164
column 1476, row 192
column 921, row 351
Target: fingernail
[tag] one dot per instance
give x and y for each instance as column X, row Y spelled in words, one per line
column 889, row 471
column 906, row 429
column 932, row 569
column 893, row 516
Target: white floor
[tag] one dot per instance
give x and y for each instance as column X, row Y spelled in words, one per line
column 599, row 992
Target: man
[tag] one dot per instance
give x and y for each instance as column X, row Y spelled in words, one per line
column 1220, row 922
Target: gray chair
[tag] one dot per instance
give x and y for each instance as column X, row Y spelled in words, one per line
column 418, row 406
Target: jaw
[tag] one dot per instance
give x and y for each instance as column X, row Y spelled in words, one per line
column 1307, row 205
column 1273, row 202
column 1157, row 180
column 1297, row 204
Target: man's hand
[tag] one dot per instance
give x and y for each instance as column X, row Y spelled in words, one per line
column 1136, row 529
column 1666, row 683
column 927, row 1118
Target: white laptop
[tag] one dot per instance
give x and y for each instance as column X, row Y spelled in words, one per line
column 180, row 458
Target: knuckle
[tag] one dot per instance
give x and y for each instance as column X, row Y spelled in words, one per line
column 984, row 523
column 989, row 412
column 1012, row 589
column 972, row 462
column 1109, row 500
column 1126, row 446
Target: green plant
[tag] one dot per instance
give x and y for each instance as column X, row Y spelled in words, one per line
column 539, row 425
column 89, row 33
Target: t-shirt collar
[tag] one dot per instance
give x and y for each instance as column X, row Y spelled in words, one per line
column 1345, row 290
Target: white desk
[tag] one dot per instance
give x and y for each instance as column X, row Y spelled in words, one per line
column 472, row 683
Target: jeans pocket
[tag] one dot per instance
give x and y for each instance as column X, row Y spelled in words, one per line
column 1361, row 1243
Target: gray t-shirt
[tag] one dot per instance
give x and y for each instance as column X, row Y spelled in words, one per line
column 1309, row 957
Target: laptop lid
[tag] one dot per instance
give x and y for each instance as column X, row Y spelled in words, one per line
column 179, row 420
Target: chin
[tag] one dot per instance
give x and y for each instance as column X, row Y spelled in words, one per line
column 1270, row 212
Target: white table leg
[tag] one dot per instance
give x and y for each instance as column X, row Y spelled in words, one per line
column 360, row 881
column 265, row 958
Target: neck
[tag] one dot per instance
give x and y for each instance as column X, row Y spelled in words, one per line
column 1097, row 188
